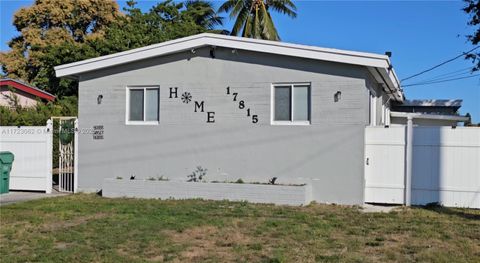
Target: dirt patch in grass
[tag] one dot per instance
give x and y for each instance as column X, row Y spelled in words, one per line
column 58, row 225
column 203, row 241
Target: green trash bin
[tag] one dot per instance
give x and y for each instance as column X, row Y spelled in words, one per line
column 6, row 162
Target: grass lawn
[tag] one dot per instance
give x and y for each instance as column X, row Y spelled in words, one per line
column 88, row 228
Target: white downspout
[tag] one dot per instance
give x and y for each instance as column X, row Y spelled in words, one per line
column 409, row 160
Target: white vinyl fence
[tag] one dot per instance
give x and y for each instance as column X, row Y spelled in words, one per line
column 32, row 148
column 445, row 168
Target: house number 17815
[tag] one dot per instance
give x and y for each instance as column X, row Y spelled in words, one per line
column 241, row 105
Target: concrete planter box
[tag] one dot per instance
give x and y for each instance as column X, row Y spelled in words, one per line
column 254, row 193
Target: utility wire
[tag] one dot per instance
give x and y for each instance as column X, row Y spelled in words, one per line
column 464, row 70
column 441, row 64
column 447, row 75
column 439, row 81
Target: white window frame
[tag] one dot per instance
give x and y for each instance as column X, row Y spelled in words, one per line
column 127, row 104
column 292, row 86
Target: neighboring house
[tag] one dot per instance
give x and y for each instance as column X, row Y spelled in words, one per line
column 13, row 92
column 242, row 108
column 428, row 112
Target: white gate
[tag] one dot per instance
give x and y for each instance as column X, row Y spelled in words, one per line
column 67, row 143
column 384, row 165
column 445, row 168
column 32, row 149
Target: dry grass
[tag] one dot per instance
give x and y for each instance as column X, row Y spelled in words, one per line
column 88, row 228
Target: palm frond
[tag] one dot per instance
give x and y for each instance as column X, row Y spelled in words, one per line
column 283, row 6
column 227, row 6
column 269, row 32
column 239, row 23
column 247, row 29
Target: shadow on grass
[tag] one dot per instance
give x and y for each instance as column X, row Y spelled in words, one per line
column 472, row 214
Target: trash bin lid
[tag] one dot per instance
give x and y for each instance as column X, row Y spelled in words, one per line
column 6, row 157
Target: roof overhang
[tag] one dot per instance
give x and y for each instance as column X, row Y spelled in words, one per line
column 379, row 65
column 415, row 115
column 456, row 104
column 27, row 88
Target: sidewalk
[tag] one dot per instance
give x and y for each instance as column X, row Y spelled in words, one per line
column 19, row 196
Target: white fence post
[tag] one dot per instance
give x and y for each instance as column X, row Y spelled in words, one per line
column 409, row 160
column 75, row 158
column 49, row 153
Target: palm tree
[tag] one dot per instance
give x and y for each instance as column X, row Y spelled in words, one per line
column 253, row 18
column 203, row 13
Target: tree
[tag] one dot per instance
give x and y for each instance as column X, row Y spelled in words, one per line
column 473, row 10
column 203, row 14
column 54, row 32
column 253, row 19
column 164, row 21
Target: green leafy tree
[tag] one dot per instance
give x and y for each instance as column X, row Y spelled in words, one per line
column 253, row 19
column 54, row 32
column 203, row 14
column 165, row 21
column 472, row 8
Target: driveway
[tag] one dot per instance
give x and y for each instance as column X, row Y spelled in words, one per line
column 18, row 196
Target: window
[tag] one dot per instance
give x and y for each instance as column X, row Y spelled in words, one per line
column 291, row 104
column 142, row 105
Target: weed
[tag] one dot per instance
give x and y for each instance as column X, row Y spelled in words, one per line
column 198, row 175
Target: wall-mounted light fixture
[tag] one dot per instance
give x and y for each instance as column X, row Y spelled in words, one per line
column 337, row 96
column 192, row 50
column 99, row 99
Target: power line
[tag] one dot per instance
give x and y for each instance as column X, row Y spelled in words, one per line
column 439, row 81
column 441, row 64
column 448, row 75
column 464, row 70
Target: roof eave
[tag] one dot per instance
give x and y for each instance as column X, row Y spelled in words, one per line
column 183, row 44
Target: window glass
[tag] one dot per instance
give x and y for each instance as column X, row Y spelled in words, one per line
column 282, row 103
column 151, row 107
column 300, row 103
column 136, row 105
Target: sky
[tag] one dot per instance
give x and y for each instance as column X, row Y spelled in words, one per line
column 420, row 34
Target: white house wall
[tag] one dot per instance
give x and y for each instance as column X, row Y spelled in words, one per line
column 328, row 154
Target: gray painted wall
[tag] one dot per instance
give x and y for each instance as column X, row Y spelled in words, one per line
column 328, row 154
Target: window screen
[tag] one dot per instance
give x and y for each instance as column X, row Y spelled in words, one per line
column 282, row 103
column 136, row 105
column 151, row 107
column 301, row 103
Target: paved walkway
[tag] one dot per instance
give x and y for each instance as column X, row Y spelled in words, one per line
column 17, row 196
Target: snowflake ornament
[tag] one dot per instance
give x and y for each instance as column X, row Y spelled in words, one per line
column 186, row 97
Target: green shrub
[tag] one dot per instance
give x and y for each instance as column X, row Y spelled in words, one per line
column 38, row 116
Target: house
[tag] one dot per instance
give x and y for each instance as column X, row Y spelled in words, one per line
column 25, row 95
column 241, row 108
column 428, row 112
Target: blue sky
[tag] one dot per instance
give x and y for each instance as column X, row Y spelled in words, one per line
column 420, row 34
